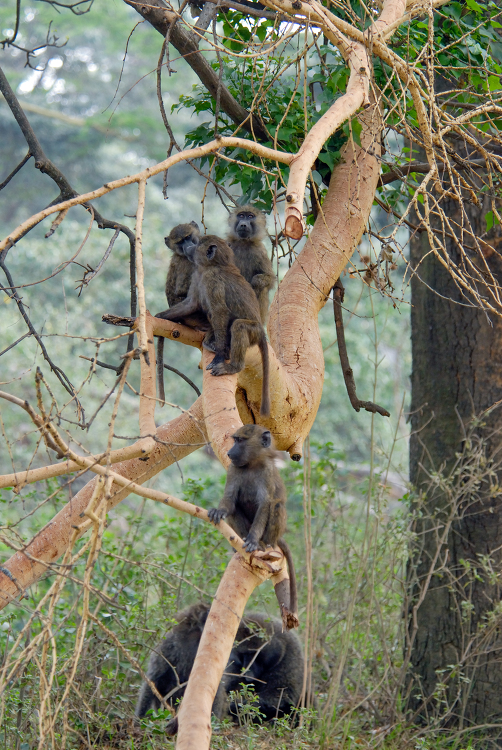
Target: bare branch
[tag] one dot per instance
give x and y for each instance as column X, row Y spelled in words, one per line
column 348, row 375
column 159, row 16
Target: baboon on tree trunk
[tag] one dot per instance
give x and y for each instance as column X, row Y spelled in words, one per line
column 219, row 290
column 246, row 231
column 254, row 500
column 182, row 239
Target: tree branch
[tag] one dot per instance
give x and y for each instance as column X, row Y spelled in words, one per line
column 46, row 166
column 193, row 153
column 348, row 375
column 173, row 441
column 159, row 16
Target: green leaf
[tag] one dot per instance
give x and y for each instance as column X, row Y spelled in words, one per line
column 473, row 5
column 327, row 157
column 261, row 33
column 494, row 83
column 356, row 131
column 490, row 220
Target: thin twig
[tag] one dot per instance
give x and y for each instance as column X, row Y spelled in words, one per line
column 182, row 375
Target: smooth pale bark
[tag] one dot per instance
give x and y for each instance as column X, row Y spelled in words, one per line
column 236, row 586
column 181, row 436
column 297, row 362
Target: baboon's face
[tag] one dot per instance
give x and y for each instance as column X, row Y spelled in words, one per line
column 184, row 239
column 249, row 442
column 245, row 224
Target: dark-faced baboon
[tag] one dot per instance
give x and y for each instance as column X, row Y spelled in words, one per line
column 171, row 662
column 254, row 500
column 182, row 239
column 271, row 661
column 179, row 275
column 219, row 290
column 262, row 655
column 245, row 236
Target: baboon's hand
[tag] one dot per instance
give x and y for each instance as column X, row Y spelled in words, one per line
column 217, row 360
column 172, row 727
column 216, row 515
column 223, row 368
column 251, row 545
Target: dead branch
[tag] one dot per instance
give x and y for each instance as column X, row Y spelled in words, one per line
column 348, row 375
column 194, row 153
column 37, row 420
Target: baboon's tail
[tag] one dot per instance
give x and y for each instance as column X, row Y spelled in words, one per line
column 293, row 594
column 160, row 371
column 265, row 388
column 146, row 700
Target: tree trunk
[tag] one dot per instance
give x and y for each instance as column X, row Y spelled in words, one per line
column 454, row 640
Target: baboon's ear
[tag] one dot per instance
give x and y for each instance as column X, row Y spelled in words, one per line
column 266, row 439
column 211, row 252
column 194, row 225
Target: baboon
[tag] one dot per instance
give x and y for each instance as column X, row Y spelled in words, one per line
column 254, row 500
column 181, row 268
column 219, row 290
column 182, row 239
column 171, row 662
column 271, row 661
column 262, row 655
column 245, row 235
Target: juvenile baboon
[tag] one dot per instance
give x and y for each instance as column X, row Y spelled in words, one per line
column 254, row 500
column 262, row 655
column 181, row 268
column 183, row 238
column 219, row 290
column 245, row 235
column 171, row 662
column 271, row 661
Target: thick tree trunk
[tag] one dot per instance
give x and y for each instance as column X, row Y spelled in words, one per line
column 454, row 637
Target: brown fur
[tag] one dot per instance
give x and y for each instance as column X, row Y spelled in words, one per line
column 245, row 236
column 182, row 237
column 179, row 276
column 254, row 500
column 219, row 290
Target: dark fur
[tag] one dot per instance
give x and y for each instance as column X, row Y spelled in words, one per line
column 181, row 268
column 181, row 239
column 246, row 231
column 219, row 290
column 171, row 662
column 254, row 500
column 273, row 662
